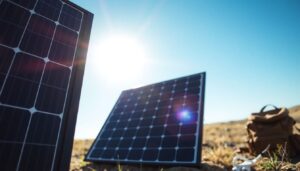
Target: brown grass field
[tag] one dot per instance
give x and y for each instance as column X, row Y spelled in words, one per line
column 220, row 144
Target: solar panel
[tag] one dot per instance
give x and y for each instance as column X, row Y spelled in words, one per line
column 156, row 124
column 43, row 45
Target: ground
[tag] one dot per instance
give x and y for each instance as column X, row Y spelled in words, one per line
column 220, row 144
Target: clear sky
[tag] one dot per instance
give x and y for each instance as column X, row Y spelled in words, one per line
column 250, row 51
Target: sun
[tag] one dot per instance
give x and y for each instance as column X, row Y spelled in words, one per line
column 119, row 57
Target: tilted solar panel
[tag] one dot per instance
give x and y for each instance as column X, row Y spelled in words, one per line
column 155, row 124
column 43, row 45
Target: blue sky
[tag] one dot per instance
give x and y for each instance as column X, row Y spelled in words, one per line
column 250, row 51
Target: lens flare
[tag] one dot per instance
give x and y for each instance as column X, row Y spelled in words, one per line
column 184, row 116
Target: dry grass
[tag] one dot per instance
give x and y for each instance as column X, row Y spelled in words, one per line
column 80, row 148
column 277, row 161
column 220, row 143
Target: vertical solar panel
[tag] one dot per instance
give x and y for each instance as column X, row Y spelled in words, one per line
column 156, row 124
column 43, row 46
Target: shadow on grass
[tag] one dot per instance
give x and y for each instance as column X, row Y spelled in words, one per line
column 105, row 167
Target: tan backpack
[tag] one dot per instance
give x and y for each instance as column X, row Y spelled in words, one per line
column 274, row 127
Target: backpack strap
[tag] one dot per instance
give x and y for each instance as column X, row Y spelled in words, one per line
column 269, row 116
column 263, row 108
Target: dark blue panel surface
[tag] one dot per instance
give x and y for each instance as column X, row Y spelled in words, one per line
column 9, row 156
column 63, row 46
column 70, row 18
column 159, row 123
column 49, row 8
column 39, row 90
column 56, row 75
column 43, row 129
column 42, row 153
column 38, row 35
column 6, row 56
column 25, row 3
column 12, row 23
column 25, row 74
column 51, row 99
column 13, row 132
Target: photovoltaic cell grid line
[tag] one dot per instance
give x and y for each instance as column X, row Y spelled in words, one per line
column 155, row 124
column 38, row 40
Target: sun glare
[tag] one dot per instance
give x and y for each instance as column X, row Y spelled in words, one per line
column 119, row 58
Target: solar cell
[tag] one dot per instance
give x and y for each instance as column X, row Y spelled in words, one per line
column 49, row 9
column 41, row 42
column 43, row 154
column 70, row 18
column 12, row 23
column 10, row 162
column 156, row 124
column 38, row 35
column 13, row 132
column 25, row 3
column 25, row 74
column 63, row 46
column 6, row 56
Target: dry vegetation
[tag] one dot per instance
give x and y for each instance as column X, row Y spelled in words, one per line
column 220, row 144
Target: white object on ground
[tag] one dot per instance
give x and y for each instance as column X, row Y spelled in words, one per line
column 246, row 165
